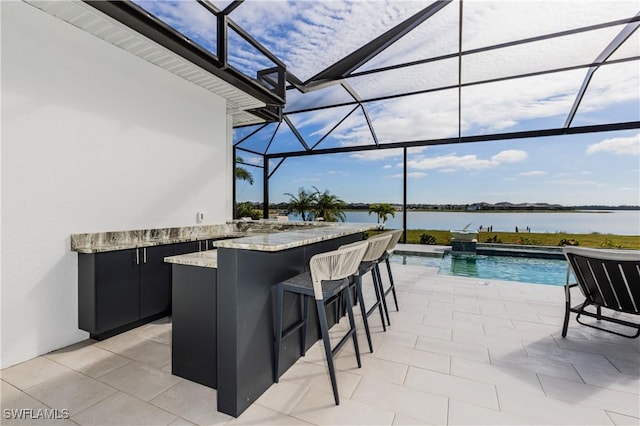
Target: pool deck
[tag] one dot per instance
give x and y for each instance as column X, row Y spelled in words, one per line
column 421, row 249
column 459, row 352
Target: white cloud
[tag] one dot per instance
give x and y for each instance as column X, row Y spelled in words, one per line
column 621, row 146
column 387, row 166
column 533, row 173
column 415, row 175
column 574, row 182
column 338, row 172
column 509, row 156
column 453, row 162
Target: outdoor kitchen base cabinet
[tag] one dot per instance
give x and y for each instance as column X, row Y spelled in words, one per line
column 122, row 289
column 194, row 323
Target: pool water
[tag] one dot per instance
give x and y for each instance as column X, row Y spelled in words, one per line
column 507, row 268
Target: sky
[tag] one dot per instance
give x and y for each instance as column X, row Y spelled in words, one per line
column 308, row 36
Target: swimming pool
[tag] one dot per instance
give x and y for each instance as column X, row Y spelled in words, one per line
column 508, row 268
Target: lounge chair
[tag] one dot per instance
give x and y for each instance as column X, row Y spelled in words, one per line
column 607, row 279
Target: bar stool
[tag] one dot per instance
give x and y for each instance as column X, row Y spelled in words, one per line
column 328, row 277
column 395, row 238
column 376, row 246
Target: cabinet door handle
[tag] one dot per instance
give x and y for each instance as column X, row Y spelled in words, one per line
column 137, row 257
column 144, row 255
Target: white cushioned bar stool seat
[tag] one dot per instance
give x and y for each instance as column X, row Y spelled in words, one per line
column 395, row 238
column 376, row 246
column 328, row 277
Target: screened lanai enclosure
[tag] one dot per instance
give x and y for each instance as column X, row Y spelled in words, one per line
column 341, row 82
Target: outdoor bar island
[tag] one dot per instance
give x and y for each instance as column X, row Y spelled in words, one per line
column 223, row 304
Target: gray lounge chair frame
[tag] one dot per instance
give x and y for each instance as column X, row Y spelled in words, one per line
column 607, row 279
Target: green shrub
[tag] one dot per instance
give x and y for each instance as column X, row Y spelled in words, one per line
column 607, row 243
column 427, row 239
column 247, row 209
column 527, row 241
column 494, row 240
column 566, row 242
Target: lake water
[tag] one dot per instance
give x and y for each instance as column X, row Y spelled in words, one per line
column 620, row 222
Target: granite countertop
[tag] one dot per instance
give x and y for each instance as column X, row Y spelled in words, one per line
column 270, row 242
column 290, row 239
column 121, row 240
column 205, row 259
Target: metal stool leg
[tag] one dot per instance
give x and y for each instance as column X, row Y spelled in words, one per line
column 378, row 277
column 378, row 299
column 324, row 330
column 305, row 315
column 352, row 323
column 276, row 367
column 393, row 287
column 363, row 310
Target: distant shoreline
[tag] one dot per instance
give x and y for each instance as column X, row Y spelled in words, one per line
column 501, row 211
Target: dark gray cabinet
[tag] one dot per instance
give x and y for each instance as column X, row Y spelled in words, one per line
column 155, row 281
column 120, row 290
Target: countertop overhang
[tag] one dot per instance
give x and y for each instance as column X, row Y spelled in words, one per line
column 289, row 239
column 272, row 242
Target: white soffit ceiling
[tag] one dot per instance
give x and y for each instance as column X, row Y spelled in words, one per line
column 95, row 22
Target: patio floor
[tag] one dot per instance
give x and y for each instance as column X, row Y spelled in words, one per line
column 460, row 351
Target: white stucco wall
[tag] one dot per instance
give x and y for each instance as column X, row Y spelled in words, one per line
column 93, row 139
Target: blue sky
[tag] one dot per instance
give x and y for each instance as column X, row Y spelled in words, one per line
column 308, row 36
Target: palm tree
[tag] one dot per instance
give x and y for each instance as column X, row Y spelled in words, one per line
column 303, row 203
column 242, row 173
column 329, row 207
column 382, row 210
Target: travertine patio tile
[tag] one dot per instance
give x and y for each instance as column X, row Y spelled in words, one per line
column 417, row 299
column 610, row 378
column 536, row 326
column 449, row 386
column 193, row 402
column 504, row 376
column 140, row 380
column 12, row 398
column 88, row 358
column 591, row 396
column 515, row 333
column 399, row 419
column 316, row 376
column 483, row 319
column 454, row 307
column 464, row 413
column 319, row 408
column 537, row 365
column 413, row 357
column 488, row 341
column 406, row 340
column 622, row 420
column 376, row 368
column 179, row 421
column 258, row 415
column 71, row 390
column 420, row 329
column 545, row 410
column 122, row 409
column 589, row 377
column 282, row 396
column 452, row 324
column 453, row 349
column 547, row 348
column 428, row 408
column 33, row 372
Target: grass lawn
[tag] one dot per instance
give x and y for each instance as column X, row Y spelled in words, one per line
column 525, row 238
